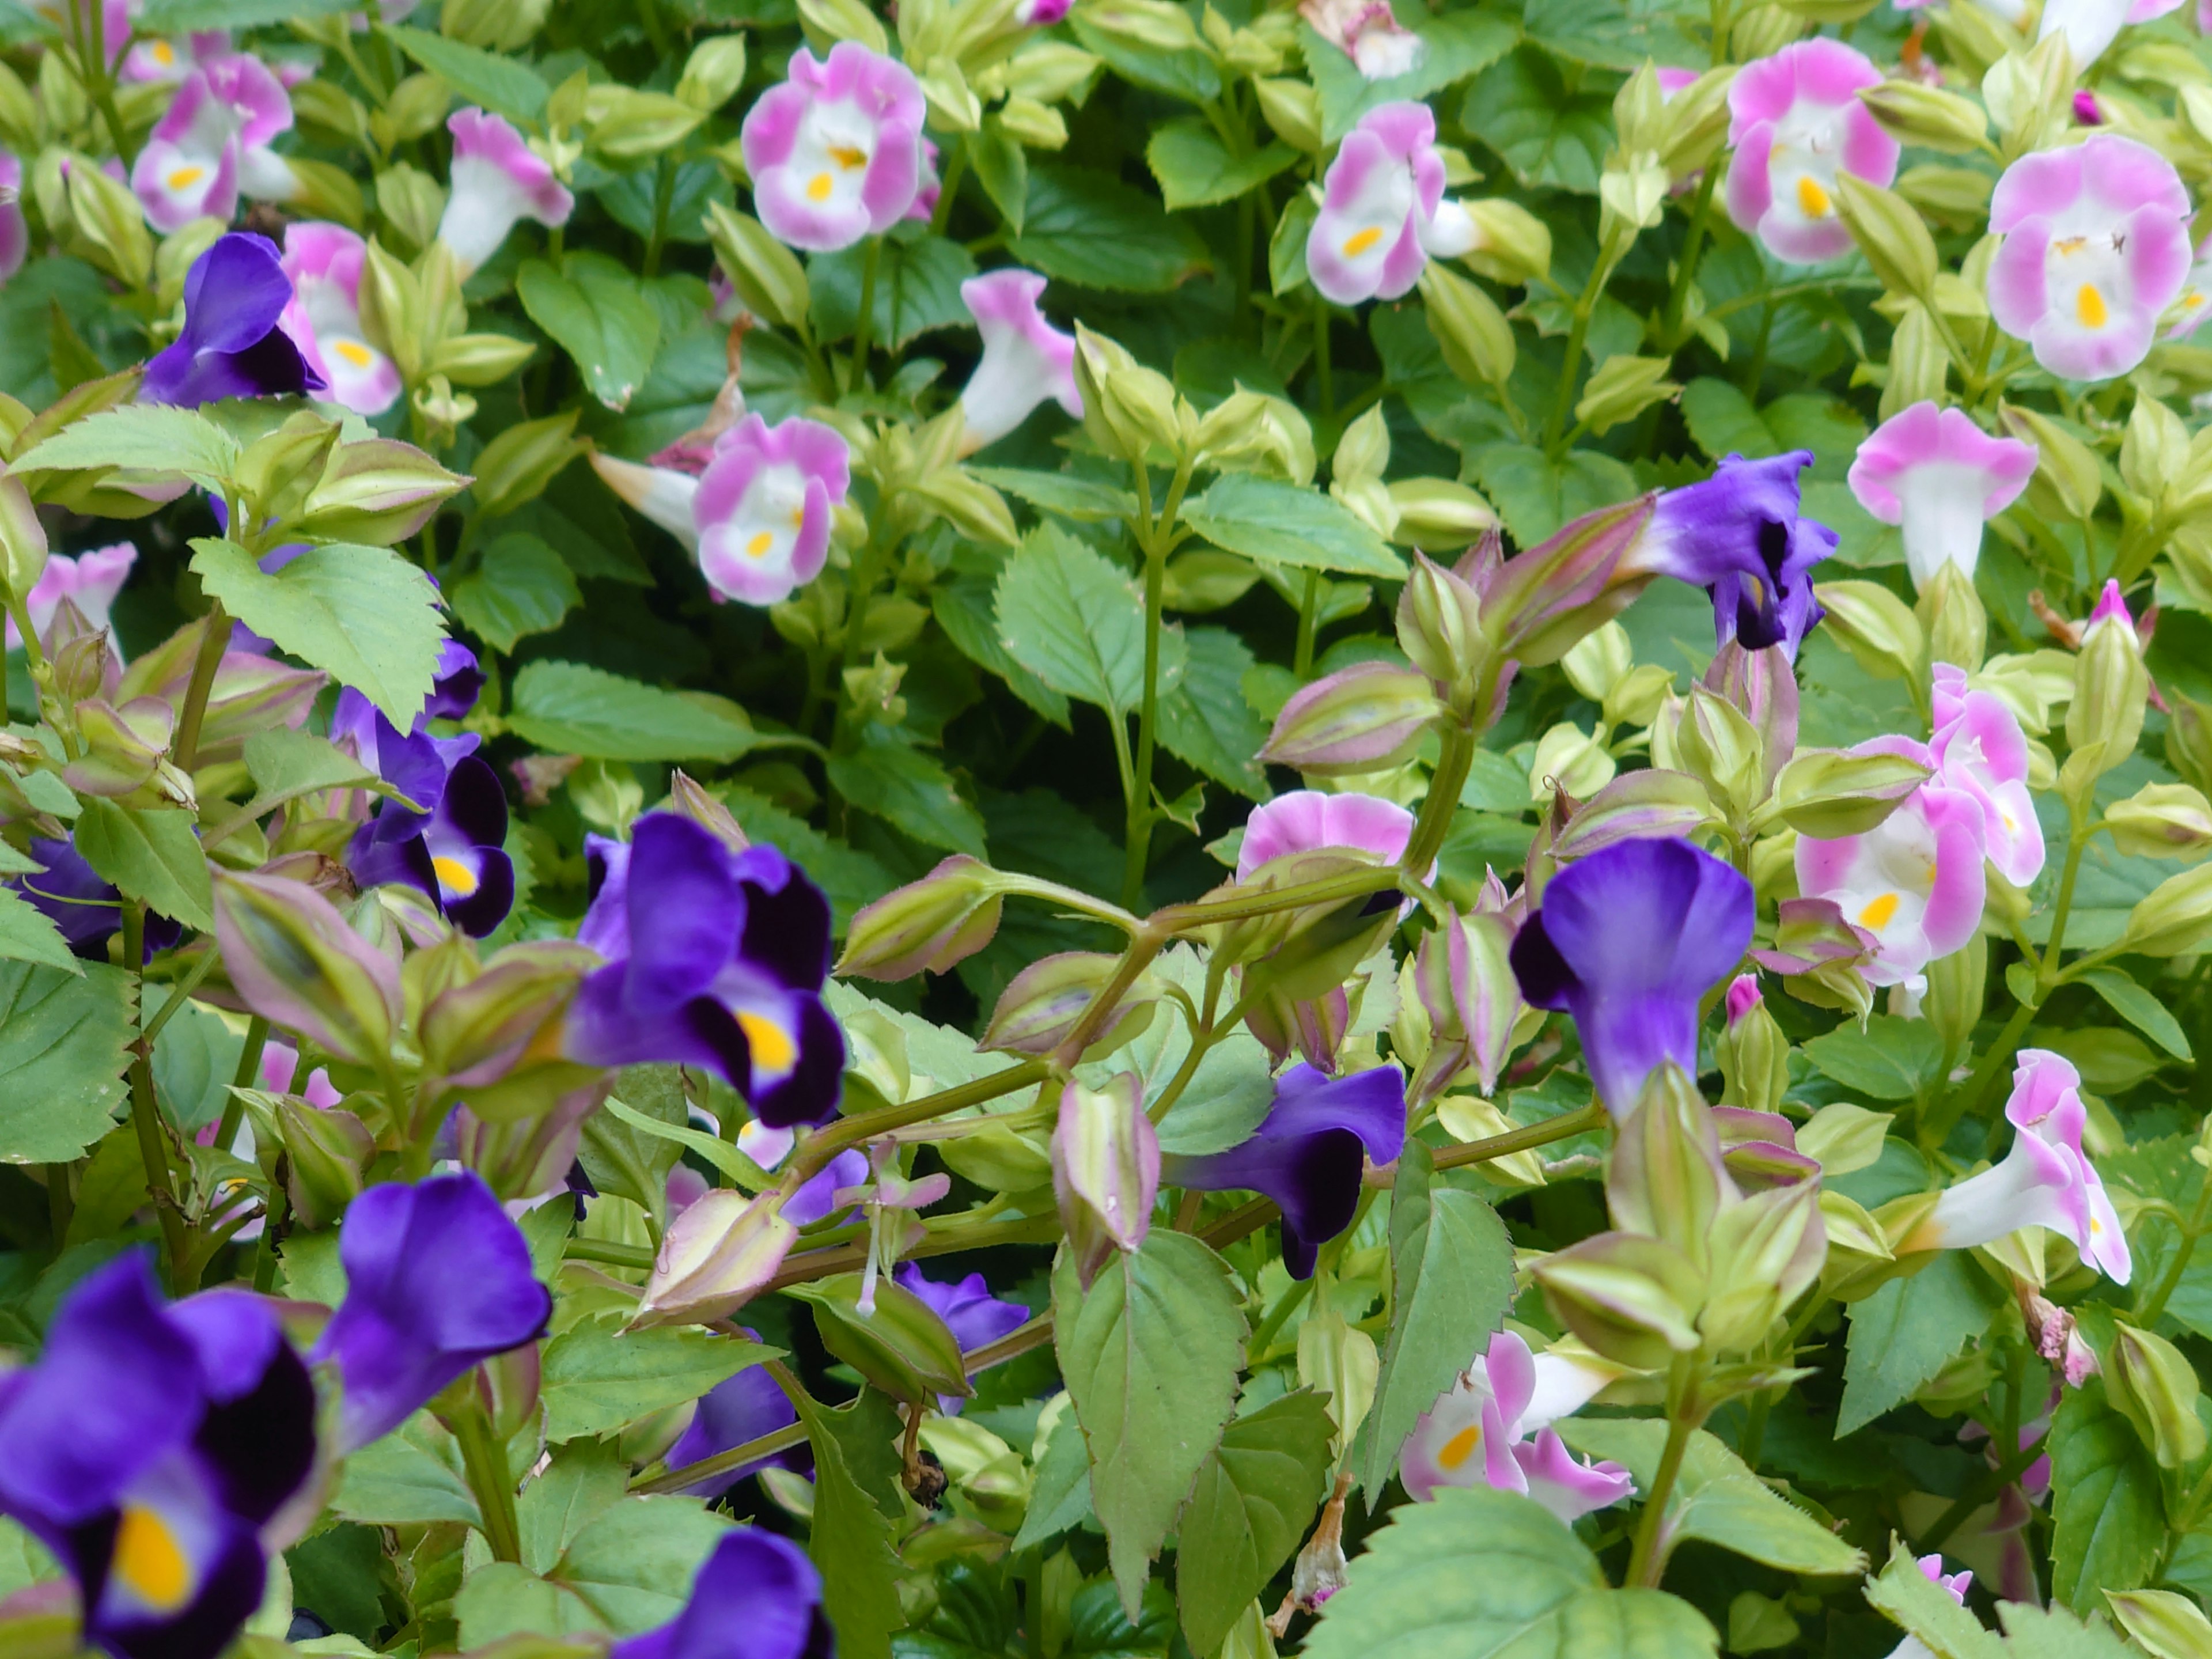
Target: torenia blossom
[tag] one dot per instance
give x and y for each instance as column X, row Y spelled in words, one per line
column 1955, row 1585
column 323, row 262
column 15, row 231
column 1796, row 124
column 1981, row 751
column 2096, row 246
column 764, row 505
column 835, row 151
column 497, row 180
column 1307, row 820
column 2046, row 1180
column 1025, row 359
column 1939, row 478
column 2091, row 25
column 90, row 581
column 1383, row 211
column 167, row 61
column 1368, row 33
column 233, row 343
column 1493, row 1427
column 213, row 145
column 1914, row 881
column 1629, row 940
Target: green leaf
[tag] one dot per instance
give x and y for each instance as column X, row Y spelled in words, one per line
column 63, row 1043
column 28, row 934
column 851, row 1545
column 1002, row 168
column 500, row 84
column 1287, row 247
column 1610, row 33
column 195, row 1058
column 1074, row 619
column 566, row 708
column 600, row 313
column 1908, row 1331
column 1060, row 1496
column 597, row 1379
column 363, row 615
column 521, row 586
column 1195, row 168
column 1927, row 1611
column 1717, row 1497
column 1548, row 132
column 2054, row 1633
column 965, row 609
column 1088, row 228
column 1189, row 75
column 1205, row 719
column 1537, row 495
column 153, row 855
column 411, row 1476
column 2140, row 1009
column 582, row 1483
column 502, row 1599
column 1451, row 1266
column 144, row 437
column 1892, row 1059
column 904, row 787
column 1479, row 1573
column 633, row 1564
column 1722, row 422
column 917, row 289
column 1084, row 500
column 1149, row 1354
column 1248, row 1511
column 1279, row 523
column 2108, row 1516
column 187, row 16
column 1457, row 44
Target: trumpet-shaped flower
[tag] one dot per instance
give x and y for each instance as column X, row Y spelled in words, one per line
column 438, row 1278
column 1797, row 123
column 756, row 1596
column 1383, row 210
column 1939, row 478
column 454, row 852
column 714, row 958
column 155, row 1450
column 212, row 144
column 2091, row 25
column 167, row 61
column 234, row 343
column 497, row 181
column 90, row 581
column 1492, row 1427
column 1025, row 359
column 2044, row 1181
column 83, row 905
column 1307, row 820
column 1628, row 940
column 323, row 264
column 835, row 151
column 1914, row 881
column 763, row 505
column 1369, row 32
column 2096, row 246
column 1740, row 535
column 1981, row 751
column 1307, row 1153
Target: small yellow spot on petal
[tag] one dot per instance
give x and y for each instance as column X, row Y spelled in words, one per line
column 1877, row 913
column 818, row 187
column 185, row 178
column 1461, row 1447
column 2089, row 305
column 354, row 352
column 846, row 157
column 149, row 1562
column 456, row 878
column 2191, row 300
column 1812, row 200
column 758, row 546
column 1360, row 241
column 2071, row 244
column 773, row 1050
column 164, row 53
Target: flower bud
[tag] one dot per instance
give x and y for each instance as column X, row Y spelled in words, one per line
column 2109, row 687
column 110, row 219
column 1633, row 1300
column 2175, row 918
column 1919, row 364
column 293, row 961
column 1512, row 245
column 2189, row 738
column 1437, row 515
column 514, row 467
column 2164, row 1624
column 1890, row 232
column 327, row 1154
column 378, row 491
column 768, row 279
column 1128, row 409
column 1036, row 125
column 1958, row 986
column 1292, row 108
column 1440, row 623
column 1252, row 432
column 1040, row 1007
column 898, row 1343
column 715, row 1256
column 1829, row 793
column 123, row 747
column 1753, row 1054
column 2154, row 1385
column 1666, row 1179
column 1105, row 1171
column 1721, row 749
column 1599, row 660
column 714, row 72
column 1649, row 803
column 22, row 539
column 1146, row 25
column 2162, row 821
column 1366, row 718
column 1766, row 1252
column 1569, row 761
column 1952, row 619
column 1875, row 628
column 2155, row 449
column 1465, row 985
column 2065, row 467
column 278, row 468
column 1476, row 340
column 473, row 1034
column 1928, row 116
column 926, row 926
column 1694, row 123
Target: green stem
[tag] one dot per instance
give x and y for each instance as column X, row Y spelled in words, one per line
column 955, row 167
column 1980, row 1491
column 1324, row 381
column 1159, row 538
column 1441, row 801
column 484, row 1461
column 1308, row 623
column 145, row 1113
column 664, row 193
column 1647, row 1562
column 2147, row 1314
column 1563, row 1128
column 815, row 1152
column 186, row 751
column 248, row 1072
column 1271, row 1320
column 1692, row 245
column 273, row 1223
column 615, row 1254
column 864, row 325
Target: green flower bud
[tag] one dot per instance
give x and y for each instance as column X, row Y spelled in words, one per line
column 1440, row 624
column 626, row 124
column 1367, row 718
column 1958, row 986
column 22, row 539
column 108, row 217
column 123, row 747
column 1292, row 108
column 828, row 22
column 1928, row 116
column 1695, row 123
column 1033, row 123
column 2066, row 468
column 1633, row 1300
column 1953, row 620
column 1569, row 760
column 714, row 72
column 1875, row 628
column 2111, row 686
column 1128, row 409
column 926, row 926
column 2175, row 918
column 410, row 203
column 888, row 1334
column 1105, row 1171
column 1754, row 1060
column 479, row 359
column 1890, row 232
column 2164, row 1624
column 1722, row 750
column 327, row 1153
column 1666, row 1180
column 1437, row 515
column 485, row 1036
column 769, row 281
column 378, row 490
column 294, row 960
column 2189, row 738
column 1511, row 244
column 1040, row 1007
column 715, row 1257
column 1919, row 362
column 1598, row 661
column 1473, row 333
column 2154, row 1385
column 1253, row 432
column 2162, row 820
column 1767, row 1251
column 1827, row 793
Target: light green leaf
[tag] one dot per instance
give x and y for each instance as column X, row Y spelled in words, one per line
column 1088, row 228
column 412, row 1475
column 1084, row 500
column 582, row 1483
column 600, row 313
column 1188, row 74
column 28, row 934
column 2140, row 1009
column 1072, row 617
column 1195, row 168
column 152, row 854
column 364, row 614
column 2107, row 1512
column 965, row 609
column 1279, row 523
column 851, row 1545
column 195, row 1058
column 633, row 1564
column 63, row 1046
column 186, row 16
column 1205, row 719
column 565, row 707
column 521, row 587
column 1892, row 1059
column 1002, row 168
column 501, row 85
column 2035, row 1632
column 1927, row 1611
column 1248, row 1511
column 1150, row 1354
column 1060, row 1497
column 905, row 787
column 598, row 1379
column 724, row 1157
column 1908, row 1331
column 143, row 437
column 500, row 1600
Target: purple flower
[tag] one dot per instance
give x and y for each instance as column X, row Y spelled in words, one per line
column 1628, row 940
column 83, row 905
column 458, row 683
column 213, row 143
column 232, row 345
column 324, row 263
column 1738, row 535
column 834, row 153
column 453, row 853
column 756, row 1596
column 975, row 1316
column 1797, row 123
column 497, row 180
column 740, row 1409
column 1942, row 477
column 1383, row 210
column 437, row 1279
column 154, row 1450
column 714, row 958
column 1025, row 359
column 1307, row 1153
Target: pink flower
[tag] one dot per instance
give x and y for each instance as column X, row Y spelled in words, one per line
column 931, row 188
column 1041, row 14
column 2046, row 1180
column 90, row 581
column 2090, row 26
column 280, row 1067
column 1306, row 820
column 835, row 151
column 1796, row 122
column 169, row 62
column 1025, row 359
column 1955, row 1586
column 1981, row 752
column 1941, row 477
column 2096, row 244
column 213, row 143
column 1743, row 996
column 323, row 262
column 1492, row 1426
column 15, row 233
column 1383, row 210
column 764, row 505
column 1368, row 33
column 1672, row 81
column 496, row 181
column 1915, row 881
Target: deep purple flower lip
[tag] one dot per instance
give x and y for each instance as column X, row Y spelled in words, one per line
column 756, row 1595
column 84, row 908
column 1739, row 536
column 232, row 345
column 738, row 1409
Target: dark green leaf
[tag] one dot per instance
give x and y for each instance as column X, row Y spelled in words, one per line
column 1084, row 500
column 582, row 1483
column 1002, row 168
column 1207, row 721
column 917, row 289
column 1189, row 75
column 2108, row 1516
column 411, row 1476
column 596, row 308
column 852, row 1547
column 521, row 586
column 1892, row 1059
column 565, row 707
column 153, row 855
column 62, row 1042
column 1092, row 230
column 1060, row 1495
column 2140, row 1009
column 1456, row 44
column 1548, row 132
column 1537, row 495
column 1248, row 1511
column 1908, row 1331
column 499, row 84
column 1072, row 617
column 965, row 608
column 904, row 787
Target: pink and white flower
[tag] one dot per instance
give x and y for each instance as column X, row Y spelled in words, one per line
column 280, row 1069
column 2090, row 26
column 323, row 262
column 1980, row 751
column 90, row 581
column 1492, row 1428
column 1306, row 820
column 169, row 62
column 1955, row 1586
column 1915, row 881
column 1939, row 478
column 1796, row 124
column 926, row 194
column 835, row 151
column 1369, row 32
column 1041, row 14
column 1383, row 210
column 1025, row 359
column 213, row 145
column 2096, row 246
column 15, row 231
column 2044, row 1181
column 496, row 181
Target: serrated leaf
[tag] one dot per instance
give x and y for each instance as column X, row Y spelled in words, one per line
column 64, row 1039
column 1892, row 1059
column 411, row 1476
column 522, row 587
column 500, row 84
column 1090, row 229
column 1074, row 619
column 1084, row 500
column 1248, row 1511
column 903, row 786
column 597, row 1378
column 1927, row 1611
column 965, row 609
column 148, row 437
column 2140, row 1009
column 598, row 311
column 1195, row 168
column 1907, row 1331
column 1537, row 495
column 2107, row 1510
column 1060, row 1496
column 1281, row 524
column 566, row 708
column 917, row 289
column 28, row 934
column 851, row 1545
column 153, row 855
column 581, row 1482
column 1551, row 132
column 1205, row 721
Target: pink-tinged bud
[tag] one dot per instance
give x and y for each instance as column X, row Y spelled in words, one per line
column 1743, row 996
column 1039, row 1009
column 1537, row 604
column 2085, row 108
column 2154, row 1386
column 293, row 960
column 926, row 926
column 1105, row 1171
column 2111, row 686
column 1364, row 718
column 715, row 1257
column 1465, row 981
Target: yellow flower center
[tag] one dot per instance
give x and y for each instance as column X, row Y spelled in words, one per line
column 773, row 1050
column 456, row 878
column 164, row 53
column 1360, row 241
column 1461, row 1447
column 2089, row 305
column 149, row 1561
column 185, row 178
column 758, row 546
column 1877, row 913
column 354, row 352
column 818, row 187
column 1812, row 200
column 846, row 157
